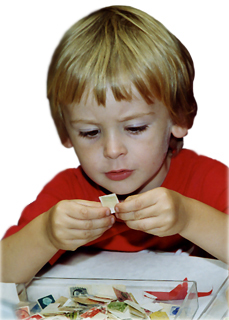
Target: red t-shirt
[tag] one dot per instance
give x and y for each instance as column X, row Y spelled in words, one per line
column 194, row 176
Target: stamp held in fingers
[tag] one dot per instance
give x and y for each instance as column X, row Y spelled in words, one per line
column 109, row 201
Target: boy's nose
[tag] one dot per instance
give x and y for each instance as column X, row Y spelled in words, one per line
column 114, row 147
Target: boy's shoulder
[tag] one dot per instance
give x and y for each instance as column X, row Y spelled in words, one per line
column 69, row 175
column 72, row 183
column 191, row 160
column 197, row 176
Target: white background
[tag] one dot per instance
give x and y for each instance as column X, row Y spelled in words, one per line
column 31, row 153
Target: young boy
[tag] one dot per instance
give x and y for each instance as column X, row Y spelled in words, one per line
column 120, row 87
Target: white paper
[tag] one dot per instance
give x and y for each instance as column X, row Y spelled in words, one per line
column 109, row 201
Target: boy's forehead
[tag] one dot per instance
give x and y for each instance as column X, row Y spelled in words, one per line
column 88, row 102
column 89, row 98
column 88, row 107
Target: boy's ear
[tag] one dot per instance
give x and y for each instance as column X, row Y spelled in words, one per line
column 178, row 131
column 63, row 134
column 67, row 143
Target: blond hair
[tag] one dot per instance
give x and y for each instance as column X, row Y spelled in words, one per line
column 120, row 46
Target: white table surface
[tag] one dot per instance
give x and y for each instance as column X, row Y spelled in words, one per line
column 208, row 273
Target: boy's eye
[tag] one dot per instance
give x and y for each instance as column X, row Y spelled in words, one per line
column 137, row 130
column 89, row 134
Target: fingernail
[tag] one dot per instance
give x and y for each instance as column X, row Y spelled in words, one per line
column 112, row 219
column 108, row 212
column 116, row 209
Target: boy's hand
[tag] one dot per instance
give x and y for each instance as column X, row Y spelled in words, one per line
column 158, row 212
column 73, row 223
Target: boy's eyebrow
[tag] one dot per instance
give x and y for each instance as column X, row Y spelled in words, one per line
column 127, row 118
column 75, row 121
column 136, row 115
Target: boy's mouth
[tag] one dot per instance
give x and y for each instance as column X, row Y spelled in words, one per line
column 118, row 175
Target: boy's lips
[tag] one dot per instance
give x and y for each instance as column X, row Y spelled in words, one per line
column 118, row 175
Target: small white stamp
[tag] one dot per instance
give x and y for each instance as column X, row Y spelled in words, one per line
column 109, row 201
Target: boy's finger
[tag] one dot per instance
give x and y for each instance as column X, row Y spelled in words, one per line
column 87, row 203
column 140, row 201
column 78, row 211
column 144, row 213
column 87, row 225
column 134, row 203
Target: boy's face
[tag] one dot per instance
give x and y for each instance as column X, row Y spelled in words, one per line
column 123, row 146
